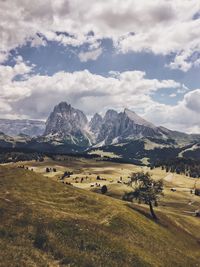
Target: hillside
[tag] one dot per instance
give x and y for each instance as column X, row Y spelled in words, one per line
column 46, row 223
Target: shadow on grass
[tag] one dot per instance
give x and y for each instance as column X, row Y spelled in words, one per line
column 162, row 220
column 141, row 211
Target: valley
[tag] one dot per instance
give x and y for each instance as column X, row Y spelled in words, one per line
column 66, row 195
column 100, row 133
column 91, row 175
column 82, row 227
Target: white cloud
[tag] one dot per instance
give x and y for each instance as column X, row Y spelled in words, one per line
column 8, row 73
column 182, row 117
column 79, row 88
column 36, row 95
column 172, row 95
column 180, row 62
column 158, row 26
column 192, row 100
column 37, row 41
column 90, row 55
column 162, row 27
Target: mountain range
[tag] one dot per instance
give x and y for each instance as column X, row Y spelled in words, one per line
column 32, row 128
column 72, row 125
column 124, row 135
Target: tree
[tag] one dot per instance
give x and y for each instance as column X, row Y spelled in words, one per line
column 146, row 190
column 104, row 189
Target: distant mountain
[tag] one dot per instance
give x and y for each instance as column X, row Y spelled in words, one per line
column 69, row 124
column 95, row 124
column 7, row 141
column 16, row 127
column 120, row 136
column 127, row 125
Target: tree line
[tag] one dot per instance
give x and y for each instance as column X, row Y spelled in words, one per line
column 188, row 167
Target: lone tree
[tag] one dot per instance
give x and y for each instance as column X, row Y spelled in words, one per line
column 146, row 190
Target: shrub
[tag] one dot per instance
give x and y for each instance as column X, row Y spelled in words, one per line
column 104, row 189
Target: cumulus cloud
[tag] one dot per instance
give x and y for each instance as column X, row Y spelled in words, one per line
column 155, row 26
column 182, row 117
column 80, row 88
column 161, row 27
column 36, row 95
column 192, row 100
column 90, row 55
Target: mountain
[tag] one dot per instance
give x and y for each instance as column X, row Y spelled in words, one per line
column 95, row 123
column 127, row 125
column 120, row 136
column 17, row 127
column 69, row 124
column 107, row 130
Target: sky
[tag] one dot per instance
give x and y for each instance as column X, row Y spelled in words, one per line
column 98, row 55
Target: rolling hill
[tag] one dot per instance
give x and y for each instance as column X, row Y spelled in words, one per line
column 46, row 223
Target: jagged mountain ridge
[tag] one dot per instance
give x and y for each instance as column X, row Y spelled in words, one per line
column 72, row 125
column 125, row 125
column 124, row 135
column 69, row 124
column 96, row 123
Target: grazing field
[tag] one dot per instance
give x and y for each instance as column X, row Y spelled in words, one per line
column 45, row 222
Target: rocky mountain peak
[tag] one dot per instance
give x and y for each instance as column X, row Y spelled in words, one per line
column 95, row 123
column 71, row 124
column 62, row 107
column 67, row 123
column 110, row 115
column 96, row 117
column 137, row 119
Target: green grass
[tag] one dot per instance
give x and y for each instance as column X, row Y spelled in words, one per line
column 46, row 223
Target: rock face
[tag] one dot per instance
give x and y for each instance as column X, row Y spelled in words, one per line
column 125, row 125
column 95, row 123
column 69, row 124
column 16, row 127
column 107, row 131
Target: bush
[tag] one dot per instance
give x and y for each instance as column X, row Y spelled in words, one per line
column 41, row 238
column 104, row 189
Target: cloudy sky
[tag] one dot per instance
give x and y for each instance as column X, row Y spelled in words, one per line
column 97, row 54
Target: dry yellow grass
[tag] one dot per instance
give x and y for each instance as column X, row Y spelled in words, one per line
column 46, row 223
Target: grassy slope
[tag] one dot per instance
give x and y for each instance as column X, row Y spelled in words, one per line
column 45, row 223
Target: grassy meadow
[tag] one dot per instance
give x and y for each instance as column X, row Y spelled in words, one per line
column 45, row 222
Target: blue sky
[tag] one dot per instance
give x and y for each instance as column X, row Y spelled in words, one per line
column 54, row 57
column 142, row 55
